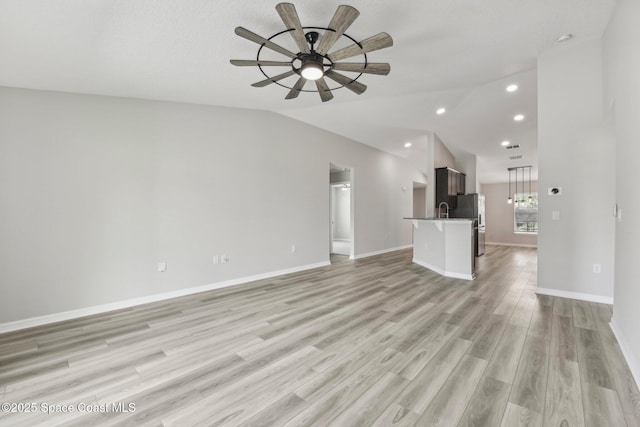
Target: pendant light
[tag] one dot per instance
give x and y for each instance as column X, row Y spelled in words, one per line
column 520, row 199
column 515, row 196
column 524, row 198
column 509, row 199
column 522, row 193
column 530, row 198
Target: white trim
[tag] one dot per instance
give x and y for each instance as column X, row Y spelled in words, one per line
column 383, row 251
column 575, row 295
column 443, row 272
column 88, row 311
column 634, row 366
column 522, row 245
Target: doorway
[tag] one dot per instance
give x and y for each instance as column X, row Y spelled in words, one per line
column 419, row 200
column 341, row 212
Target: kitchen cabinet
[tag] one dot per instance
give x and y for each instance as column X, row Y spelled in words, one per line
column 462, row 178
column 449, row 183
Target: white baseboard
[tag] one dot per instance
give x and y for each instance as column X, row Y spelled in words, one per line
column 443, row 272
column 518, row 245
column 384, row 251
column 632, row 361
column 88, row 311
column 575, row 295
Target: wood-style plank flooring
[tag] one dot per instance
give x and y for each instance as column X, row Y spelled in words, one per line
column 374, row 342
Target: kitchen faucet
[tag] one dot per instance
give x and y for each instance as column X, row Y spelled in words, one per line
column 446, row 212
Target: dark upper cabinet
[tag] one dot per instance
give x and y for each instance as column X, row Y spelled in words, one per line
column 462, row 178
column 449, row 183
column 442, row 186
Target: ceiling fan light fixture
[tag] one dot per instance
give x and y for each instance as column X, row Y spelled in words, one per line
column 312, row 70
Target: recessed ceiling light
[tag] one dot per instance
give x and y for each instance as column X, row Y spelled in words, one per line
column 564, row 38
column 512, row 88
column 518, row 117
column 505, row 143
column 441, row 110
column 407, row 144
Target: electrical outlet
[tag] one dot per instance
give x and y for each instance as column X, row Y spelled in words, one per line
column 162, row 267
column 555, row 215
column 224, row 259
column 293, row 248
column 597, row 268
column 215, row 260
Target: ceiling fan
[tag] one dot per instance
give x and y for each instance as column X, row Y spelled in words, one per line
column 314, row 62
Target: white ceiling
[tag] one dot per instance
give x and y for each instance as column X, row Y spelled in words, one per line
column 459, row 54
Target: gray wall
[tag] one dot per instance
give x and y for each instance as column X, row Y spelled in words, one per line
column 430, row 172
column 467, row 164
column 622, row 103
column 442, row 156
column 95, row 191
column 576, row 152
column 499, row 216
column 419, row 202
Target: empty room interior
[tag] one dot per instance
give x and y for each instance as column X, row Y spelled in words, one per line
column 323, row 213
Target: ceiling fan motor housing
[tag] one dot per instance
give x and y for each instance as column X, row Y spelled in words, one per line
column 312, row 38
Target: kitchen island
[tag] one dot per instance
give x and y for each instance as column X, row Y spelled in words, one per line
column 444, row 245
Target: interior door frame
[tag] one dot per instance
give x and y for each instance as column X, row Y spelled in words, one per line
column 351, row 183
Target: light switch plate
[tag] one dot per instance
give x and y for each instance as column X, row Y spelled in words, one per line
column 555, row 215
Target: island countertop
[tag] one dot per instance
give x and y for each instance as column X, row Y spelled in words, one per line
column 444, row 245
column 435, row 218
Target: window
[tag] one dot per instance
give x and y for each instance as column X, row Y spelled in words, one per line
column 525, row 213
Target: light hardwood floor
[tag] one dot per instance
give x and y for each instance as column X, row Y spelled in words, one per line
column 374, row 342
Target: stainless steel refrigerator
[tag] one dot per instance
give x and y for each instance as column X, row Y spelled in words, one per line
column 472, row 206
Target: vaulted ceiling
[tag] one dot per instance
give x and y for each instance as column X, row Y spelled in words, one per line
column 457, row 54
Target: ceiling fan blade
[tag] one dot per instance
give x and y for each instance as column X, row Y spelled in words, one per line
column 347, row 82
column 323, row 90
column 248, row 63
column 379, row 41
column 342, row 19
column 273, row 79
column 295, row 91
column 289, row 16
column 359, row 67
column 246, row 34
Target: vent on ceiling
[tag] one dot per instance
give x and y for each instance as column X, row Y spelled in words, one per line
column 509, row 147
column 516, row 157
